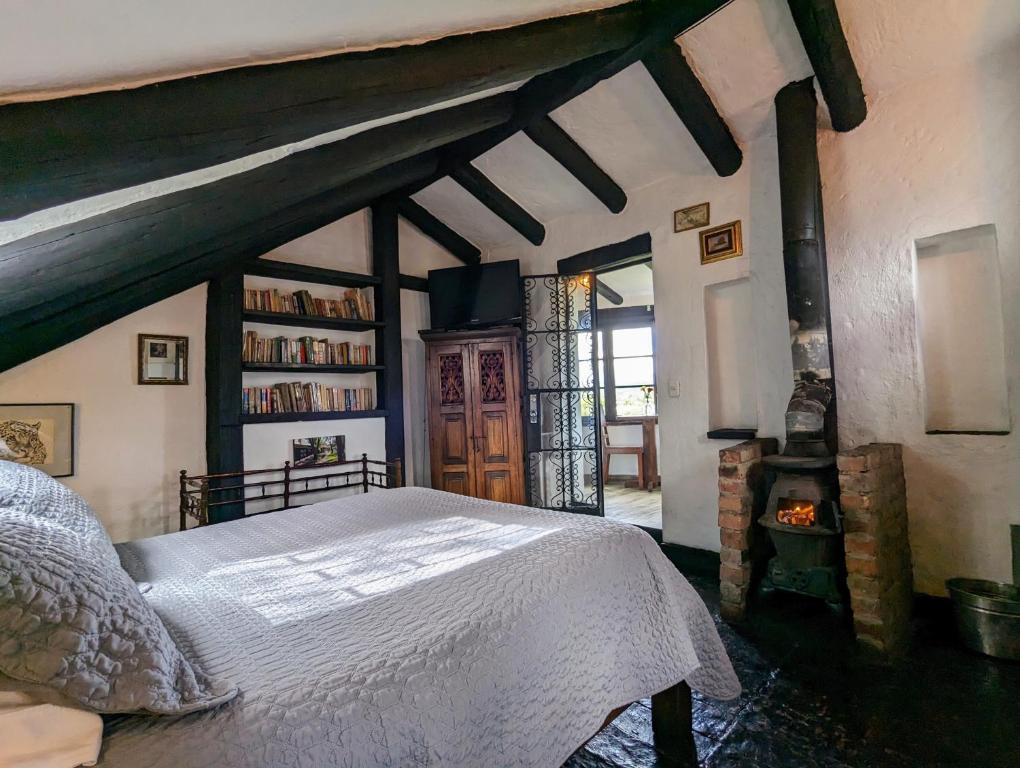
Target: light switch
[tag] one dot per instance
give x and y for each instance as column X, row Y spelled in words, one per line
column 674, row 389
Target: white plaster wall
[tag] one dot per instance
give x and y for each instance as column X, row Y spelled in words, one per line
column 131, row 440
column 688, row 459
column 935, row 156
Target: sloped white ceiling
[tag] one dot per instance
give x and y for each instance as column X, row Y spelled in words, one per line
column 48, row 45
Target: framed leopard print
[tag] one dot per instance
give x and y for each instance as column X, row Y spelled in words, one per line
column 40, row 435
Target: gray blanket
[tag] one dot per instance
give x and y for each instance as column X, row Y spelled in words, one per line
column 414, row 628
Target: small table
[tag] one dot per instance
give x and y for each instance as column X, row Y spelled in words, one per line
column 650, row 480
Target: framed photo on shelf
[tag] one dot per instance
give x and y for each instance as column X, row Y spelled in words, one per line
column 691, row 217
column 722, row 242
column 40, row 435
column 162, row 359
column 317, row 451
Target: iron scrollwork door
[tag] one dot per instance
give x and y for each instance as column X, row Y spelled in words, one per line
column 562, row 412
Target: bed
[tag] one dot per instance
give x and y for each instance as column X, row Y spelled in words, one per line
column 412, row 627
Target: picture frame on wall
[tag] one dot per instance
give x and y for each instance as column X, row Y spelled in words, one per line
column 318, row 451
column 162, row 359
column 40, row 435
column 722, row 242
column 691, row 217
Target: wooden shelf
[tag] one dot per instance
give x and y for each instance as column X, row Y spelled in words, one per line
column 283, row 418
column 307, row 368
column 309, row 321
column 305, row 274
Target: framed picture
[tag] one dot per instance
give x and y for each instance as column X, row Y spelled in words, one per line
column 721, row 242
column 162, row 359
column 40, row 435
column 317, row 451
column 691, row 217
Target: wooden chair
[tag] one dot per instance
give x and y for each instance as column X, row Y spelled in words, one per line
column 620, row 450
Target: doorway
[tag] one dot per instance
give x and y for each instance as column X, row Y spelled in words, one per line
column 625, row 350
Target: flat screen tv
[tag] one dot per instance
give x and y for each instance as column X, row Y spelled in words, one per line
column 475, row 296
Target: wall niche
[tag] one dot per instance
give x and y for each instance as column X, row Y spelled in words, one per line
column 960, row 332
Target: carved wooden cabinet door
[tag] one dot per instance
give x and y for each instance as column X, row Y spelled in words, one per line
column 451, row 418
column 497, row 418
column 475, row 415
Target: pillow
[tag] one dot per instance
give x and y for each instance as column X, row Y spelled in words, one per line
column 25, row 487
column 70, row 616
column 42, row 729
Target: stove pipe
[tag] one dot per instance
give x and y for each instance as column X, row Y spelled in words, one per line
column 811, row 413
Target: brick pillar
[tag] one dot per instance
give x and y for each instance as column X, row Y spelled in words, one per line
column 873, row 498
column 742, row 500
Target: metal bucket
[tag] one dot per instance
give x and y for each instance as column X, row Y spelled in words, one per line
column 987, row 616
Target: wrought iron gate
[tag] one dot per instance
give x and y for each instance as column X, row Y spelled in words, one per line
column 562, row 416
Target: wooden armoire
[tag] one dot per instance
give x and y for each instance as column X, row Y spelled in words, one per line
column 474, row 413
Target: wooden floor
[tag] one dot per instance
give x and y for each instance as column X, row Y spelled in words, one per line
column 634, row 505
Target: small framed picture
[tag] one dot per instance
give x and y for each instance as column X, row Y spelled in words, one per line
column 317, row 451
column 162, row 359
column 691, row 217
column 40, row 435
column 722, row 242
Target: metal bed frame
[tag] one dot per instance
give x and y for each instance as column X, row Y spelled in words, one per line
column 201, row 493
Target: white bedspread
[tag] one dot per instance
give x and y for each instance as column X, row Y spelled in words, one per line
column 414, row 628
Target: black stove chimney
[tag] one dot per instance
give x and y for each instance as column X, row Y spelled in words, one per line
column 811, row 413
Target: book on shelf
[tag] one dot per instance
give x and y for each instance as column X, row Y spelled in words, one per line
column 305, row 350
column 298, row 397
column 355, row 304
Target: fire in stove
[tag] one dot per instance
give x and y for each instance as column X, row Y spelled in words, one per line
column 795, row 512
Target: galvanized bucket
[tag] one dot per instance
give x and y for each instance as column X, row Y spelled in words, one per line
column 987, row 616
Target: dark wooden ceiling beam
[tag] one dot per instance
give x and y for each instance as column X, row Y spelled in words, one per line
column 426, row 223
column 825, row 43
column 44, row 273
column 692, row 104
column 608, row 293
column 193, row 265
column 65, row 149
column 633, row 250
column 499, row 202
column 545, row 93
column 548, row 135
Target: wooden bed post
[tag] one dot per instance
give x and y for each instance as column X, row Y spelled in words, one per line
column 672, row 726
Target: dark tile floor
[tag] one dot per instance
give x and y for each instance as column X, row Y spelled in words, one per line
column 811, row 698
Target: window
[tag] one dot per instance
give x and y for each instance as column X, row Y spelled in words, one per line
column 626, row 372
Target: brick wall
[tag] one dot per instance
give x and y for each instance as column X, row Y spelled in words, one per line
column 873, row 498
column 742, row 497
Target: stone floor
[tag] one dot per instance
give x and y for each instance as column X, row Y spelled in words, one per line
column 811, row 698
column 633, row 505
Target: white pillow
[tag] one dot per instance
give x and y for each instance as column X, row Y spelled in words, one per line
column 43, row 730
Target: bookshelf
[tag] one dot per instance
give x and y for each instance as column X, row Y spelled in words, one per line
column 226, row 315
column 307, row 368
column 283, row 418
column 309, row 321
column 305, row 275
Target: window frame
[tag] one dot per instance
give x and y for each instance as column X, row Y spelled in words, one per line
column 607, row 322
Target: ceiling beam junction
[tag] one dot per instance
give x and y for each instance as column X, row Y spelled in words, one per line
column 430, row 226
column 499, row 202
column 825, row 43
column 66, row 149
column 692, row 104
column 557, row 143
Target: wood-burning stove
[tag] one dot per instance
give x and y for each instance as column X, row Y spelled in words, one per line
column 803, row 520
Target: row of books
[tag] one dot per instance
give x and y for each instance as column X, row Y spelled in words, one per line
column 306, row 350
column 296, row 397
column 355, row 305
